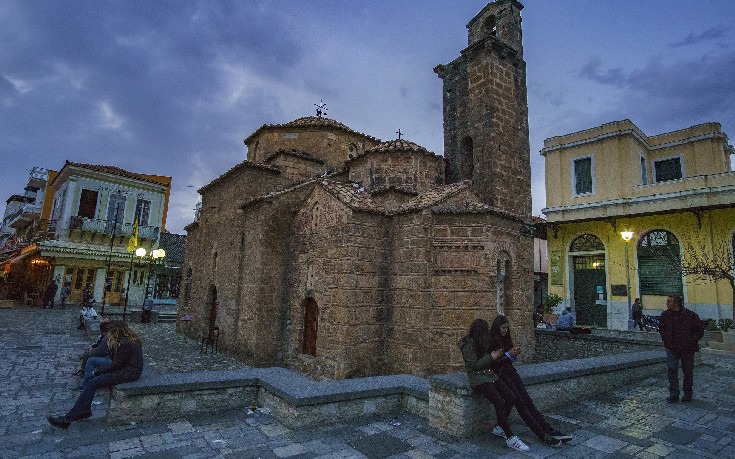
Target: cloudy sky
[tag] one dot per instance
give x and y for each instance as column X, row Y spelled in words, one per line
column 173, row 88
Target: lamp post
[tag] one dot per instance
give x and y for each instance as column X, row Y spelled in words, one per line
column 627, row 236
column 154, row 256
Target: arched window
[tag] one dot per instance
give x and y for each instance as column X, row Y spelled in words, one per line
column 587, row 243
column 187, row 286
column 490, row 26
column 212, row 303
column 502, row 284
column 659, row 269
column 468, row 160
column 311, row 326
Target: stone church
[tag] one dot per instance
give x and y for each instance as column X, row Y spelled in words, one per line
column 339, row 255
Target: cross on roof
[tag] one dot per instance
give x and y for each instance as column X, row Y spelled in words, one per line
column 399, row 134
column 321, row 108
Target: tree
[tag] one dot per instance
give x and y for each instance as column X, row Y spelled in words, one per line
column 701, row 264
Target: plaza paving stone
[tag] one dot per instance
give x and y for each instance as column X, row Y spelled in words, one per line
column 39, row 349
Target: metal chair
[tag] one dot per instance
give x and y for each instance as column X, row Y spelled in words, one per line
column 211, row 341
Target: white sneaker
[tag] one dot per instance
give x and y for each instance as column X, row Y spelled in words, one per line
column 515, row 443
column 499, row 431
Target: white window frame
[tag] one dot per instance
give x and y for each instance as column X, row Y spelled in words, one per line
column 681, row 166
column 574, row 175
column 644, row 170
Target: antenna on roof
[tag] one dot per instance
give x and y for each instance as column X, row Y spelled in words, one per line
column 399, row 134
column 321, row 108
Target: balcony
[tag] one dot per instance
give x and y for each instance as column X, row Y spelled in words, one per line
column 108, row 227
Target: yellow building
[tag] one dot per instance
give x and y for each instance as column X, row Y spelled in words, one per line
column 676, row 193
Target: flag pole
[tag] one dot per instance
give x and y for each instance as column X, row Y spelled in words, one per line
column 109, row 262
column 127, row 289
column 132, row 242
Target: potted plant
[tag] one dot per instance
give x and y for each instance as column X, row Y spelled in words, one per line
column 549, row 302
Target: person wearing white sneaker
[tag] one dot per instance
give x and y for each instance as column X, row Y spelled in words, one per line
column 479, row 362
column 502, row 341
column 515, row 443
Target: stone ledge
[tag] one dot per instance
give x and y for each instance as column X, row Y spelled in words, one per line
column 296, row 389
column 538, row 373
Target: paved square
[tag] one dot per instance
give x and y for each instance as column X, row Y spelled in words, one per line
column 38, row 360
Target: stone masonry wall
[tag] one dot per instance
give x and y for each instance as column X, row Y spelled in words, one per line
column 466, row 250
column 213, row 252
column 330, row 145
column 552, row 346
column 296, row 169
column 412, row 170
column 338, row 259
column 263, row 272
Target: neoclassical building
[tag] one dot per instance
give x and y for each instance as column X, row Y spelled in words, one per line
column 675, row 192
column 340, row 255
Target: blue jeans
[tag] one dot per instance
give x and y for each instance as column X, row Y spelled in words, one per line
column 687, row 368
column 83, row 404
column 94, row 363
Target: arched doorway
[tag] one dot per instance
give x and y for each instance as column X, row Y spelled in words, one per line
column 212, row 303
column 502, row 284
column 311, row 326
column 589, row 280
column 659, row 269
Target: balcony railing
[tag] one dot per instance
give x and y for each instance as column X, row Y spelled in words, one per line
column 109, row 227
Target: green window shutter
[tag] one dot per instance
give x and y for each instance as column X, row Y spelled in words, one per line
column 657, row 272
column 583, row 175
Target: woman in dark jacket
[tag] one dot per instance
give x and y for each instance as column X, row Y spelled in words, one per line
column 127, row 365
column 503, row 342
column 479, row 362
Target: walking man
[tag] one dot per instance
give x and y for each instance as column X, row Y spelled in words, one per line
column 638, row 314
column 680, row 331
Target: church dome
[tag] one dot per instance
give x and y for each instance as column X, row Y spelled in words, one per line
column 398, row 164
column 398, row 145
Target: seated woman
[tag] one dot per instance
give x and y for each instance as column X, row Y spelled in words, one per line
column 127, row 365
column 502, row 341
column 478, row 362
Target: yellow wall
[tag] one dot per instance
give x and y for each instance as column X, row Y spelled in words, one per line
column 616, row 160
column 717, row 229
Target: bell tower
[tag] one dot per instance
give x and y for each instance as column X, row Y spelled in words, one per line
column 486, row 110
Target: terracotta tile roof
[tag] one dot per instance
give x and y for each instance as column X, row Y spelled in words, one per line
column 295, row 153
column 238, row 166
column 475, row 207
column 309, row 122
column 398, row 145
column 112, row 170
column 358, row 199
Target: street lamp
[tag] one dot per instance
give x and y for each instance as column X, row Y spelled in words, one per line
column 154, row 256
column 627, row 236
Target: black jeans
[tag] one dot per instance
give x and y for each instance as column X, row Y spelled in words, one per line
column 687, row 368
column 526, row 408
column 502, row 399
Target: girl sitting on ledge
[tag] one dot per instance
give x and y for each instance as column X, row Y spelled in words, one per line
column 479, row 361
column 501, row 341
column 127, row 365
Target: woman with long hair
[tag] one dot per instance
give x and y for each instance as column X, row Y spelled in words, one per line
column 127, row 365
column 502, row 341
column 479, row 362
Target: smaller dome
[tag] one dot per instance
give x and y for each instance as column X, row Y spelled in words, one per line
column 398, row 145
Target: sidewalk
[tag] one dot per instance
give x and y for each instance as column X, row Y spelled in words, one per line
column 38, row 355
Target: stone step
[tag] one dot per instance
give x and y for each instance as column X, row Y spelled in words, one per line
column 7, row 304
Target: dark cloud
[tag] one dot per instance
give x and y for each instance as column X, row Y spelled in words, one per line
column 592, row 70
column 693, row 38
column 674, row 94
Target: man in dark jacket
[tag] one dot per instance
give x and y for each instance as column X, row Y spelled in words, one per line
column 680, row 331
